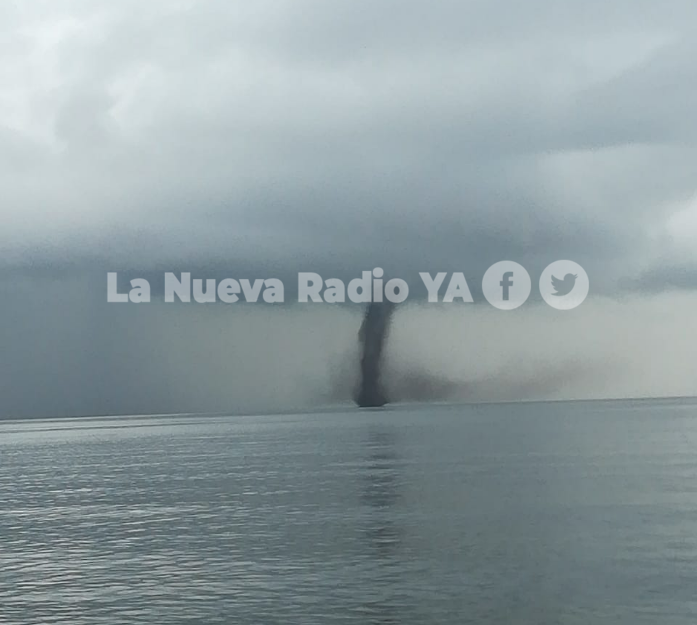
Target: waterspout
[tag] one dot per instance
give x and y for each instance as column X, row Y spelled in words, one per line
column 372, row 337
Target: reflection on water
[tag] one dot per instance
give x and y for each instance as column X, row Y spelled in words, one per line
column 381, row 490
column 541, row 514
column 382, row 534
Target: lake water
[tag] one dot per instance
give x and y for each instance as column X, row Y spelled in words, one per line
column 554, row 513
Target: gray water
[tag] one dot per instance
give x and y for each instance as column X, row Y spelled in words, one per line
column 537, row 513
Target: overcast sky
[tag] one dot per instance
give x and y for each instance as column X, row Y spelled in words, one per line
column 260, row 139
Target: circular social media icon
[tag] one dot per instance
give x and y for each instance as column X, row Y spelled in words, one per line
column 506, row 285
column 564, row 284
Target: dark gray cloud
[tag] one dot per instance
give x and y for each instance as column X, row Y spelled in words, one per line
column 269, row 138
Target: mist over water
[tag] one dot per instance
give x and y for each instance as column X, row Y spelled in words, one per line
column 97, row 358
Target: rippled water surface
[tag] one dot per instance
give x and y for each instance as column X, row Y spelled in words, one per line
column 539, row 513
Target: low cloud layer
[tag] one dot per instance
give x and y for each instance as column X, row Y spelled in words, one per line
column 264, row 139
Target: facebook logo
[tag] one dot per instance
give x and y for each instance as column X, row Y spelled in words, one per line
column 506, row 285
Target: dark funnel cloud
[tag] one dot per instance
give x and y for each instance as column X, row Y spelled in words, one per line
column 372, row 336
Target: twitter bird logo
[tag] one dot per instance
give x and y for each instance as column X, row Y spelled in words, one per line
column 566, row 293
column 565, row 286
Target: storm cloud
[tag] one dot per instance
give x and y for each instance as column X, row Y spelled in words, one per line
column 263, row 139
